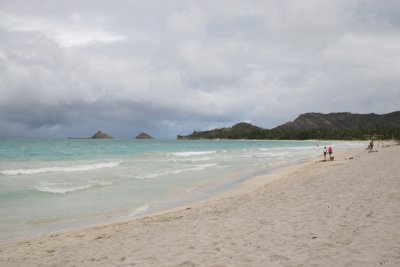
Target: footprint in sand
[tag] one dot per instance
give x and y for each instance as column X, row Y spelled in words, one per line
column 186, row 264
column 277, row 257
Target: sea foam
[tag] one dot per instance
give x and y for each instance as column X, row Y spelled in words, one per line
column 87, row 167
column 68, row 188
column 193, row 168
column 192, row 153
column 140, row 210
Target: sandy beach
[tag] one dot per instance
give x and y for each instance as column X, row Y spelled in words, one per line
column 336, row 213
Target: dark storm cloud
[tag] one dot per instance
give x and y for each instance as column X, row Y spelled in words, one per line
column 73, row 67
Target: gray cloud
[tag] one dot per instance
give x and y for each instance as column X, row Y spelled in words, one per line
column 73, row 67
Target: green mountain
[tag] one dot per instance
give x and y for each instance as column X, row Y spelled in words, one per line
column 340, row 126
column 343, row 121
column 237, row 131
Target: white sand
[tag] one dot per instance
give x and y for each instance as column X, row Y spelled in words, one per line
column 340, row 213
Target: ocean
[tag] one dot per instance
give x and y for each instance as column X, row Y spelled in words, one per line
column 47, row 185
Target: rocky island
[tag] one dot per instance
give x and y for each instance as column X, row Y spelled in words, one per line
column 100, row 135
column 143, row 135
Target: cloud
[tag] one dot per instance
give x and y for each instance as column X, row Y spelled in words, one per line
column 68, row 67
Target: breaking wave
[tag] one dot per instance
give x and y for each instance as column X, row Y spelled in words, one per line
column 192, row 153
column 67, row 188
column 194, row 168
column 87, row 167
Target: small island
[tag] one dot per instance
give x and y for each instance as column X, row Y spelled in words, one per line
column 143, row 135
column 100, row 135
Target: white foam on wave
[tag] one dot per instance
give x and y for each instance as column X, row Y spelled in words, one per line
column 303, row 147
column 192, row 153
column 76, row 168
column 64, row 188
column 274, row 154
column 186, row 159
column 60, row 190
column 140, row 210
column 288, row 148
column 194, row 168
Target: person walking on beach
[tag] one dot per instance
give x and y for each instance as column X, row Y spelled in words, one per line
column 324, row 153
column 330, row 153
column 371, row 145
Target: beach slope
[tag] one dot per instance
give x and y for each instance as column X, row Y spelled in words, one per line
column 337, row 213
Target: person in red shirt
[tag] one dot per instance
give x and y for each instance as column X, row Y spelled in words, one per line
column 330, row 153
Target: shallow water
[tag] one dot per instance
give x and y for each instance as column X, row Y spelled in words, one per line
column 47, row 184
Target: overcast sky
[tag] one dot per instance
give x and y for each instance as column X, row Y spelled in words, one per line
column 70, row 68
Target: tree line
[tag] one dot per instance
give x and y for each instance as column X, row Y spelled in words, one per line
column 280, row 134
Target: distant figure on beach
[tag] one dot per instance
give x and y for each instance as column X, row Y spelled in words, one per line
column 324, row 152
column 330, row 152
column 371, row 145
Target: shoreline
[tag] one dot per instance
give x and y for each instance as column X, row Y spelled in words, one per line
column 322, row 213
column 243, row 183
column 202, row 192
column 225, row 186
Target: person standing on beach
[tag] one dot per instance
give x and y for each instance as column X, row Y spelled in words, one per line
column 371, row 145
column 330, row 152
column 324, row 152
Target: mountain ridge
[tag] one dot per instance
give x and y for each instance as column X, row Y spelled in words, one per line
column 313, row 125
column 342, row 121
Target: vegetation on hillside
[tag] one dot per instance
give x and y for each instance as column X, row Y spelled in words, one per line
column 314, row 126
column 324, row 134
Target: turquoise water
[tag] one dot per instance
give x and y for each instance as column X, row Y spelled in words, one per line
column 51, row 184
